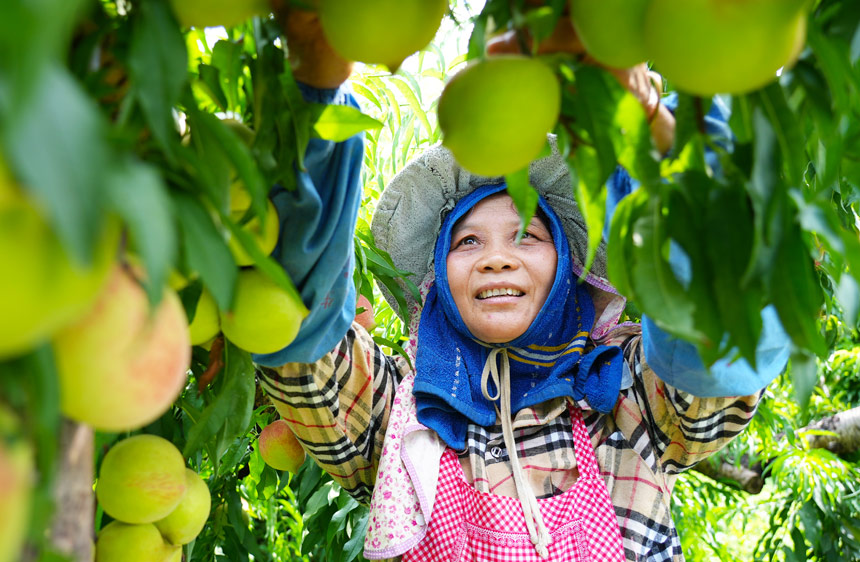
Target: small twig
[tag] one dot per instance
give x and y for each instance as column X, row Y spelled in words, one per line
column 216, row 363
column 700, row 115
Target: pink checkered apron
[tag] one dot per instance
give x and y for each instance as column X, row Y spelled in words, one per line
column 468, row 525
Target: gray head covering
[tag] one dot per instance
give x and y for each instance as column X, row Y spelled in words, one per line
column 409, row 213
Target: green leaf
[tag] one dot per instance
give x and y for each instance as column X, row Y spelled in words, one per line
column 596, row 101
column 658, row 292
column 848, row 295
column 768, row 194
column 33, row 37
column 804, row 377
column 205, row 249
column 55, row 143
column 226, row 142
column 634, row 145
column 413, row 102
column 687, row 119
column 227, row 58
column 588, row 187
column 300, row 116
column 364, row 91
column 796, row 292
column 619, row 247
column 786, row 125
column 339, row 122
column 524, row 195
column 138, row 194
column 729, row 224
column 356, row 542
column 685, row 228
column 210, row 82
column 231, row 409
column 157, row 66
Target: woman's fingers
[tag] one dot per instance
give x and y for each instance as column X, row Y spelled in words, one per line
column 562, row 40
column 312, row 58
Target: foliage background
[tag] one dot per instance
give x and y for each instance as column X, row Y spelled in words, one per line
column 82, row 95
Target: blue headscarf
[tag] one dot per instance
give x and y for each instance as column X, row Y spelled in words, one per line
column 546, row 361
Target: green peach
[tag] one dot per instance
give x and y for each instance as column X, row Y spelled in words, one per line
column 211, row 13
column 612, row 31
column 206, row 323
column 495, row 113
column 707, row 47
column 264, row 318
column 380, row 31
column 186, row 521
column 142, row 479
column 121, row 542
column 44, row 288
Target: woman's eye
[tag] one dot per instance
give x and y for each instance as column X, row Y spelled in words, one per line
column 467, row 241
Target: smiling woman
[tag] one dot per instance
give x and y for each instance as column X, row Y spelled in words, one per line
column 521, row 397
column 499, row 284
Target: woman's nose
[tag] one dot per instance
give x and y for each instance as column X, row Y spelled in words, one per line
column 497, row 258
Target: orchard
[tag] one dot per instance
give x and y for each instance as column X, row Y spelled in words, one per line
column 140, row 141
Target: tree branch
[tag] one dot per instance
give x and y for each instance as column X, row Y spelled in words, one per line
column 843, row 438
column 72, row 527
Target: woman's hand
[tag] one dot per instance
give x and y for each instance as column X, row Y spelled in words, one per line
column 646, row 86
column 312, row 59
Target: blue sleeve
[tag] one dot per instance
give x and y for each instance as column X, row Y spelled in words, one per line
column 677, row 362
column 315, row 244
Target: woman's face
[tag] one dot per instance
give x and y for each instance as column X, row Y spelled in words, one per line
column 499, row 286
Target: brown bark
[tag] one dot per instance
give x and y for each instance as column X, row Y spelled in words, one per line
column 844, row 438
column 845, row 426
column 750, row 480
column 72, row 527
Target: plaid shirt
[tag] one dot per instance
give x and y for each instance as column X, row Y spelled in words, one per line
column 338, row 407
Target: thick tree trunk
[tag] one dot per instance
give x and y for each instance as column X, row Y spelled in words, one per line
column 72, row 528
column 845, row 438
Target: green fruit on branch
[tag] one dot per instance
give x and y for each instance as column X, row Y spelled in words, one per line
column 612, row 31
column 280, row 448
column 380, row 31
column 120, row 542
column 206, row 323
column 723, row 46
column 495, row 114
column 265, row 318
column 265, row 233
column 123, row 364
column 211, row 13
column 142, row 479
column 186, row 521
column 44, row 288
column 16, row 486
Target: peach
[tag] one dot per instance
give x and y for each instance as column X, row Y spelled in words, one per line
column 186, row 521
column 16, row 486
column 280, row 448
column 120, row 542
column 121, row 366
column 142, row 479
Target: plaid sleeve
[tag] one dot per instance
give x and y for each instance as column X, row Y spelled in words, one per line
column 338, row 407
column 685, row 429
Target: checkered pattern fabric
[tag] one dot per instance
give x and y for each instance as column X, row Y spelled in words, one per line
column 338, row 407
column 481, row 527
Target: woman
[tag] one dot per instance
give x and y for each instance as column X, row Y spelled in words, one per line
column 532, row 426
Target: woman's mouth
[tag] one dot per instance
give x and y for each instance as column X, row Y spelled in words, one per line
column 502, row 292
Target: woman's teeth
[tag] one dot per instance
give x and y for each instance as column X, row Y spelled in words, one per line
column 499, row 292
